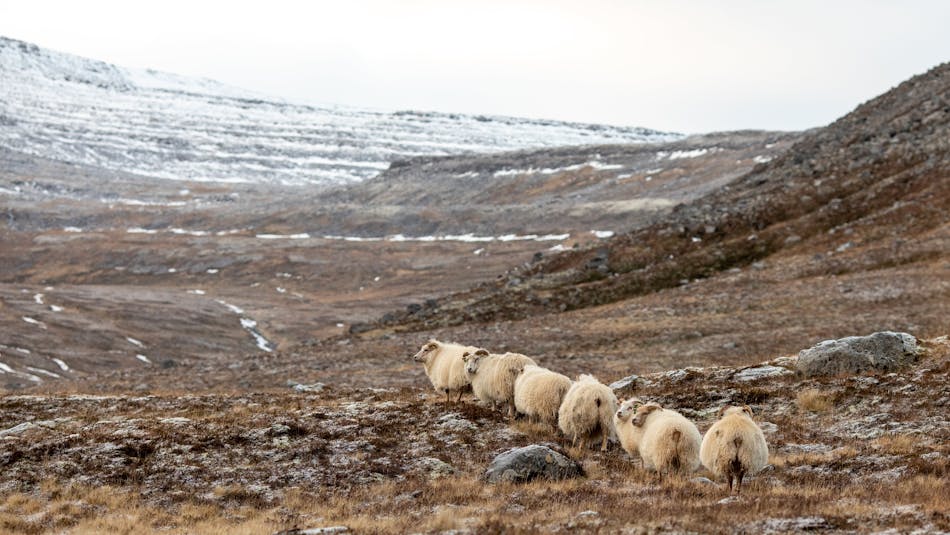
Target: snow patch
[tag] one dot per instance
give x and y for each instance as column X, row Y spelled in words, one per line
column 134, row 342
column 301, row 236
column 33, row 321
column 681, row 154
column 38, row 298
column 762, row 159
column 47, row 373
column 196, row 292
column 602, row 233
column 55, row 308
column 232, row 308
column 143, row 358
column 62, row 365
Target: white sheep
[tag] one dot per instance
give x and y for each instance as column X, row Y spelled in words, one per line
column 493, row 376
column 663, row 438
column 588, row 411
column 539, row 393
column 444, row 367
column 734, row 446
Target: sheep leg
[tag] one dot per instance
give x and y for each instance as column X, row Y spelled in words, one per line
column 739, row 482
column 603, row 445
column 574, row 442
column 448, row 397
column 729, row 479
column 459, row 400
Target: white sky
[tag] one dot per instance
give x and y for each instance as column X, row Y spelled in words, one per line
column 689, row 66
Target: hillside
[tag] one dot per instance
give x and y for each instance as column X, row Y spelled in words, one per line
column 78, row 110
column 866, row 194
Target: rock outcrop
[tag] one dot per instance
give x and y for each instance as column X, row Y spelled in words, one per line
column 879, row 352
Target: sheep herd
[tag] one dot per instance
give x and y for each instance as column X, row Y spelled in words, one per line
column 585, row 410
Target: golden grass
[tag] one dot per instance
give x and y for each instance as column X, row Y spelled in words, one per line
column 625, row 495
column 814, row 400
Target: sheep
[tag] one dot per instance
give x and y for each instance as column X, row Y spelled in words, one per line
column 539, row 392
column 663, row 438
column 493, row 376
column 444, row 367
column 587, row 411
column 734, row 446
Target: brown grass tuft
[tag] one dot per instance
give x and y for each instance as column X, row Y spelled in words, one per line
column 814, row 400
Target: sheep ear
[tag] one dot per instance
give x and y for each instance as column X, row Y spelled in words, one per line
column 465, row 356
column 482, row 352
column 747, row 409
column 722, row 410
column 643, row 412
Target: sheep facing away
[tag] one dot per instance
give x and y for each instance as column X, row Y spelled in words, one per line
column 588, row 411
column 734, row 446
column 539, row 393
column 664, row 439
column 493, row 376
column 444, row 367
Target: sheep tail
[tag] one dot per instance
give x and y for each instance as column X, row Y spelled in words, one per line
column 676, row 438
column 735, row 465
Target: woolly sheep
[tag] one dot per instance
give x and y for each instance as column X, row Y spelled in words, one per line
column 493, row 376
column 663, row 438
column 587, row 411
column 539, row 392
column 444, row 367
column 734, row 446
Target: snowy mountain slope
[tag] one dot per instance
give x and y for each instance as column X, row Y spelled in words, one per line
column 80, row 110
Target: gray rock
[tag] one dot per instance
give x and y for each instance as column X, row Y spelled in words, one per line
column 314, row 531
column 435, row 468
column 760, row 372
column 455, row 422
column 881, row 351
column 315, row 387
column 790, row 525
column 628, row 385
column 519, row 465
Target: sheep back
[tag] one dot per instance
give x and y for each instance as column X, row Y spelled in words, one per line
column 539, row 393
column 444, row 365
column 670, row 443
column 587, row 410
column 494, row 381
column 734, row 445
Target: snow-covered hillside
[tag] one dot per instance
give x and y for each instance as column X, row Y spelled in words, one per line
column 75, row 109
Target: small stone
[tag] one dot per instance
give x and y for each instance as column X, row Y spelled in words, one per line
column 761, row 372
column 315, row 387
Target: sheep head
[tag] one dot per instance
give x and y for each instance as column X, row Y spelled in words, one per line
column 643, row 412
column 426, row 351
column 472, row 360
column 734, row 409
column 628, row 408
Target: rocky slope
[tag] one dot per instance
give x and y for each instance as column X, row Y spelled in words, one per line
column 80, row 110
column 872, row 187
column 848, row 453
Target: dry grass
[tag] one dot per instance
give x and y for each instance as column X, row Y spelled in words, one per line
column 814, row 400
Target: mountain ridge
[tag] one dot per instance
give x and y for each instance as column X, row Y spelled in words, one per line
column 81, row 110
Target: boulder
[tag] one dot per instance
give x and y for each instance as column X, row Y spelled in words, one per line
column 878, row 352
column 629, row 385
column 520, row 465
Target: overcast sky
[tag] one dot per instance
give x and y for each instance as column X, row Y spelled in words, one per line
column 688, row 66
